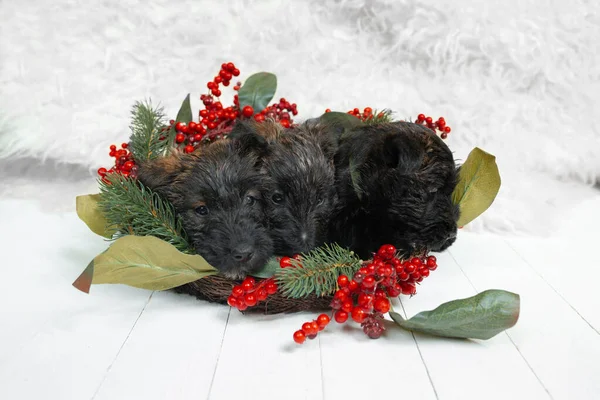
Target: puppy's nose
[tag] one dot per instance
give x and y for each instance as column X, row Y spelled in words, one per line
column 242, row 253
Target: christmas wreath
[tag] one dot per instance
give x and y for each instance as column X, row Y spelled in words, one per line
column 150, row 248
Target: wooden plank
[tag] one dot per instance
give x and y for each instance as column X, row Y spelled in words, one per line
column 356, row 367
column 56, row 342
column 574, row 275
column 560, row 347
column 462, row 369
column 172, row 352
column 260, row 360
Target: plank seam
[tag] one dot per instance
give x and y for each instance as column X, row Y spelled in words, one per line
column 212, row 381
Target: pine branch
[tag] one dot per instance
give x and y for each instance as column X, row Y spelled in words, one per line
column 317, row 272
column 132, row 209
column 147, row 127
column 380, row 117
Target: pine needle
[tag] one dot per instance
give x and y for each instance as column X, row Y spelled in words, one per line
column 147, row 127
column 380, row 117
column 317, row 272
column 133, row 209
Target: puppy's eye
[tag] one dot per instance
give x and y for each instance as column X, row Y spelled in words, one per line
column 250, row 200
column 277, row 198
column 202, row 210
column 320, row 201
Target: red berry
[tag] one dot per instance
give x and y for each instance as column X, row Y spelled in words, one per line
column 250, row 299
column 102, row 172
column 386, row 251
column 416, row 262
column 382, row 305
column 429, row 120
column 340, row 295
column 259, row 117
column 235, row 72
column 248, row 284
column 340, row 316
column 242, row 306
column 179, row 138
column 353, row 286
column 421, row 117
column 315, row 327
column 124, row 145
column 358, row 277
column 229, row 67
column 238, row 291
column 232, row 301
column 409, row 268
column 261, row 294
column 247, row 111
column 394, row 291
column 408, row 288
column 343, row 281
column 415, row 275
column 384, row 271
column 299, row 337
column 444, row 135
column 189, row 149
column 403, row 276
column 307, row 328
column 358, row 315
column 364, row 300
column 271, row 287
column 431, row 262
column 203, row 113
column 216, row 92
column 369, row 282
column 197, row 137
column 380, row 293
column 285, row 262
column 424, row 272
column 347, row 305
column 212, row 125
column 447, row 130
column 323, row 320
column 128, row 165
column 179, row 126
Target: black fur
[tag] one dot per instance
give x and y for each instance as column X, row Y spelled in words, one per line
column 218, row 192
column 394, row 183
column 299, row 205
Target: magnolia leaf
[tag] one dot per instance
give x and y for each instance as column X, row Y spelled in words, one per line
column 185, row 111
column 268, row 270
column 88, row 212
column 479, row 317
column 257, row 91
column 478, row 185
column 144, row 262
column 340, row 121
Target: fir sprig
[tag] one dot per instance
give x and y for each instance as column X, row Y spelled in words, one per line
column 133, row 209
column 317, row 271
column 147, row 127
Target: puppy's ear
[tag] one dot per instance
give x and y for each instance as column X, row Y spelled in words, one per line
column 163, row 175
column 400, row 153
column 251, row 144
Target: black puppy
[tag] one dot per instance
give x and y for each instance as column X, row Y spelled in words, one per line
column 299, row 162
column 395, row 183
column 218, row 192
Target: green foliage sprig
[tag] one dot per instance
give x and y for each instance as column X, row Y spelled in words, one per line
column 317, row 271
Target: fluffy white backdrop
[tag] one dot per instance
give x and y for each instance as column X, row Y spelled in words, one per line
column 518, row 78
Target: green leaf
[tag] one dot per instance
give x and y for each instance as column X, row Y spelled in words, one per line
column 478, row 185
column 185, row 111
column 144, row 262
column 257, row 91
column 268, row 270
column 340, row 120
column 479, row 317
column 88, row 212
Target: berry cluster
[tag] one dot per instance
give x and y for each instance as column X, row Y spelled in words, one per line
column 249, row 294
column 440, row 124
column 367, row 113
column 365, row 298
column 279, row 112
column 124, row 163
column 310, row 329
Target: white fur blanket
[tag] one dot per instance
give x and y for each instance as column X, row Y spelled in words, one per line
column 518, row 78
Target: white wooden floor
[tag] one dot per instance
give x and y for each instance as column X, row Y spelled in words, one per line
column 125, row 343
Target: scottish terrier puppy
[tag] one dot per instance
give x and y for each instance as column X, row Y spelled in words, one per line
column 299, row 162
column 395, row 183
column 218, row 192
